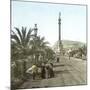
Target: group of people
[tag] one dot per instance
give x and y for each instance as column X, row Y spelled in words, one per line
column 43, row 71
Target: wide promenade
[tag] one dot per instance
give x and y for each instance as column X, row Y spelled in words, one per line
column 67, row 73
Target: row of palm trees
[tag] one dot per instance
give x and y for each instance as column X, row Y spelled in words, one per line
column 24, row 44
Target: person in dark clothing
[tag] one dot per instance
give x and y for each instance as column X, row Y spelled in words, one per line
column 43, row 71
column 51, row 70
column 58, row 59
column 47, row 74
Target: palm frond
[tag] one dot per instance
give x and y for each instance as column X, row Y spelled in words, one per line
column 19, row 33
column 43, row 38
column 28, row 35
column 23, row 32
column 15, row 37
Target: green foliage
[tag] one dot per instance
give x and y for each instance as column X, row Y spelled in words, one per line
column 79, row 51
column 20, row 40
column 23, row 45
column 50, row 54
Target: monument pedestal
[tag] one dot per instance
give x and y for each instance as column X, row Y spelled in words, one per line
column 59, row 53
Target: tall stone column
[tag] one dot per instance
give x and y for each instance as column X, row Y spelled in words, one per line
column 60, row 46
column 60, row 41
column 59, row 22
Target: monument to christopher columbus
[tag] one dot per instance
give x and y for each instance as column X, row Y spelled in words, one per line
column 59, row 53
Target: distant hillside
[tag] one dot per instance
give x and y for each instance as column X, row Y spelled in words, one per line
column 68, row 44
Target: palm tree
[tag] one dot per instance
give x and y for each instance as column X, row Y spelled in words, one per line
column 20, row 45
column 38, row 45
column 20, row 40
column 50, row 54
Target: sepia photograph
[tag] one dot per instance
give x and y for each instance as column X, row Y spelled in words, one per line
column 48, row 44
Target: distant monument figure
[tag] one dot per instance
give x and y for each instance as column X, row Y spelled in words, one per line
column 60, row 46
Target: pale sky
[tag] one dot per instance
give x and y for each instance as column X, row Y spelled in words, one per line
column 45, row 15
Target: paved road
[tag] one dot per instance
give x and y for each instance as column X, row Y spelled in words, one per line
column 67, row 72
